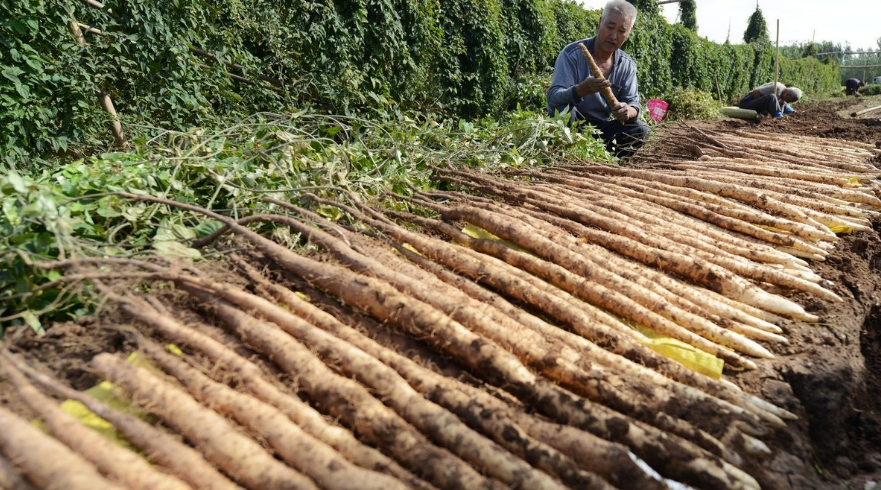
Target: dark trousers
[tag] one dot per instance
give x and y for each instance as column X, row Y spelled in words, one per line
column 623, row 139
column 766, row 104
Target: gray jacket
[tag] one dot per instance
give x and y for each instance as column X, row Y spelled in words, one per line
column 571, row 69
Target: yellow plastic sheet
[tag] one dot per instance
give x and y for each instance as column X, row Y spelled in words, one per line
column 685, row 354
column 480, row 233
column 106, row 393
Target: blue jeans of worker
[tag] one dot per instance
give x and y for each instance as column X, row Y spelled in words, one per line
column 623, row 139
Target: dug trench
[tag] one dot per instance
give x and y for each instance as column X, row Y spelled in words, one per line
column 830, row 373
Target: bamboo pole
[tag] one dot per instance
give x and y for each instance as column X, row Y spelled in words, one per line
column 870, row 109
column 777, row 61
column 103, row 99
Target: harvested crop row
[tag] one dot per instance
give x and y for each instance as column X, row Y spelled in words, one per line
column 531, row 348
column 579, row 316
column 494, row 364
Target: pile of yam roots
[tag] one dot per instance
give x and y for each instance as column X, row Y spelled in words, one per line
column 395, row 351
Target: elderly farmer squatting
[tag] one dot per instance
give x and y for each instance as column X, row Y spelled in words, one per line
column 574, row 88
column 764, row 99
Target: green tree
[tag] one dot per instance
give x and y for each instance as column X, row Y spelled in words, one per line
column 688, row 15
column 756, row 29
column 646, row 6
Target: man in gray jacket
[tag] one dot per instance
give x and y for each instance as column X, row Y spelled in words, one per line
column 574, row 88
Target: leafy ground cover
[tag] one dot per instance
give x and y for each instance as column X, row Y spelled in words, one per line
column 71, row 210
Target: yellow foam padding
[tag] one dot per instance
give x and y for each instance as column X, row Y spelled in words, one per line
column 107, row 393
column 412, row 249
column 687, row 355
column 480, row 233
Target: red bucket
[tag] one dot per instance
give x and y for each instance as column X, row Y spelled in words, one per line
column 657, row 109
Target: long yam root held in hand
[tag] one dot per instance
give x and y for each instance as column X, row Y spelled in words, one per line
column 597, row 73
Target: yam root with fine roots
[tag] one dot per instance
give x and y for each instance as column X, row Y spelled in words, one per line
column 121, row 465
column 161, row 448
column 44, row 461
column 237, row 455
column 300, row 450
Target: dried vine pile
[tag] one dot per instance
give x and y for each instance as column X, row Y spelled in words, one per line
column 461, row 362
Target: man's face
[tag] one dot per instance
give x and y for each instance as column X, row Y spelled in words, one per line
column 613, row 32
column 787, row 96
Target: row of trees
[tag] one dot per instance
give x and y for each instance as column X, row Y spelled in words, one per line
column 178, row 64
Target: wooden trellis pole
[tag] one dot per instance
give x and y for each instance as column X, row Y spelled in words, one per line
column 103, row 99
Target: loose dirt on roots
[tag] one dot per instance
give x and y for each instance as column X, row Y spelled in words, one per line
column 829, row 374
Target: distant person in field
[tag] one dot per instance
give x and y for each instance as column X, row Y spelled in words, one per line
column 574, row 88
column 770, row 100
column 852, row 86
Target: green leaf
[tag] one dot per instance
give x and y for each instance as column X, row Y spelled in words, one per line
column 17, row 182
column 176, row 250
column 206, row 228
column 33, row 322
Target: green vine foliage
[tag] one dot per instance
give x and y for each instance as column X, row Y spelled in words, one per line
column 756, row 28
column 688, row 15
column 456, row 58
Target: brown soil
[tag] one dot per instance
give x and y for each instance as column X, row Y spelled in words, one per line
column 829, row 374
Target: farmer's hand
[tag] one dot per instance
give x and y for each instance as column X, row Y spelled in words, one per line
column 591, row 85
column 622, row 112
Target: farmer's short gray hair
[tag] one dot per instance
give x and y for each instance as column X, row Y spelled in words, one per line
column 795, row 92
column 623, row 7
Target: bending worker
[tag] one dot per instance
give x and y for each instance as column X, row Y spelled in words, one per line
column 574, row 88
column 764, row 99
column 852, row 86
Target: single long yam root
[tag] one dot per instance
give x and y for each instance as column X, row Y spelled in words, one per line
column 10, row 479
column 163, row 449
column 46, row 462
column 121, row 465
column 597, row 73
column 240, row 457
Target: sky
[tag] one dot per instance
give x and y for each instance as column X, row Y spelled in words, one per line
column 855, row 21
